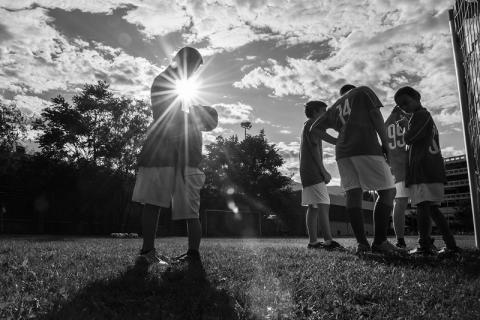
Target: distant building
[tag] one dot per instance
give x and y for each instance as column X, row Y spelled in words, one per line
column 457, row 190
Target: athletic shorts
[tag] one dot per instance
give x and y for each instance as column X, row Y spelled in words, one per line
column 402, row 191
column 316, row 194
column 427, row 192
column 365, row 172
column 161, row 186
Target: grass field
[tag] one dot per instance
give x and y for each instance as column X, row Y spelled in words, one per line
column 93, row 278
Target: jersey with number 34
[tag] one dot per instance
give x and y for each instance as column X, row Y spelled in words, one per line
column 350, row 116
column 397, row 145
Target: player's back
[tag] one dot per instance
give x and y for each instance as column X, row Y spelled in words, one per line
column 396, row 144
column 350, row 116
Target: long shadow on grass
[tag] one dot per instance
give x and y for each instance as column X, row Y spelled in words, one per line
column 180, row 293
column 468, row 262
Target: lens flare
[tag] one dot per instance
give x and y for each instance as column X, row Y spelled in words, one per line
column 187, row 91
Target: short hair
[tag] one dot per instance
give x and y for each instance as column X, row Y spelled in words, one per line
column 189, row 55
column 346, row 88
column 314, row 106
column 409, row 91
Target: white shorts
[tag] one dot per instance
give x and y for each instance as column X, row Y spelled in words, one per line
column 402, row 191
column 365, row 172
column 316, row 194
column 432, row 192
column 161, row 186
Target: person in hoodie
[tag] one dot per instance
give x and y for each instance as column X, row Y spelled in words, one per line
column 425, row 173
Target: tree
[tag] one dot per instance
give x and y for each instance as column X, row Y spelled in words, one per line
column 97, row 127
column 13, row 127
column 247, row 125
column 248, row 168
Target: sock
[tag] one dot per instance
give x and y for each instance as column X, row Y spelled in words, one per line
column 356, row 221
column 442, row 224
column 193, row 253
column 381, row 217
column 423, row 225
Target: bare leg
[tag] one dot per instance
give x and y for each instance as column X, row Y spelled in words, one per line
column 323, row 217
column 311, row 222
column 399, row 217
column 194, row 230
column 150, row 215
column 382, row 213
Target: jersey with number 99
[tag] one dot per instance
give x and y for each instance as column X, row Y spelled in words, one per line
column 396, row 144
column 350, row 116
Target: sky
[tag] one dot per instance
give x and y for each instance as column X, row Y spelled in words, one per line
column 264, row 59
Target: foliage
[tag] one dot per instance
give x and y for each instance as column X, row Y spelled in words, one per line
column 13, row 127
column 248, row 168
column 97, row 126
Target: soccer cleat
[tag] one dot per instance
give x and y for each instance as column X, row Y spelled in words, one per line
column 386, row 248
column 446, row 252
column 401, row 244
column 334, row 245
column 191, row 257
column 317, row 245
column 362, row 248
column 422, row 251
column 151, row 257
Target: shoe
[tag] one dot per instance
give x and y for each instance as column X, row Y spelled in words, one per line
column 362, row 248
column 386, row 248
column 191, row 257
column 401, row 244
column 422, row 251
column 446, row 252
column 334, row 245
column 432, row 246
column 151, row 257
column 318, row 245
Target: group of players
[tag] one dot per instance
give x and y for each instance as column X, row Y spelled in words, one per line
column 170, row 158
column 400, row 159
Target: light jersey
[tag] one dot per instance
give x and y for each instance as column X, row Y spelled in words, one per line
column 350, row 117
column 396, row 144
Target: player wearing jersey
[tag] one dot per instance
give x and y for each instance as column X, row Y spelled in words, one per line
column 362, row 161
column 425, row 174
column 398, row 163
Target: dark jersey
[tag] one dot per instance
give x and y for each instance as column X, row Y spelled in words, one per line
column 425, row 161
column 174, row 138
column 396, row 144
column 350, row 117
column 310, row 157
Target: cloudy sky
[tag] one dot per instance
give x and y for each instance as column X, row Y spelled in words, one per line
column 264, row 58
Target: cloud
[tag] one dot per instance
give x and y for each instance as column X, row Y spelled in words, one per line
column 38, row 59
column 284, row 131
column 452, row 152
column 30, row 105
column 233, row 113
column 451, row 116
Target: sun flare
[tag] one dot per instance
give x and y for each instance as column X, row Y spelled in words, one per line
column 187, row 91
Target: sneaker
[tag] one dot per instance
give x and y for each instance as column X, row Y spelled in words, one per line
column 401, row 244
column 317, row 245
column 385, row 248
column 362, row 248
column 446, row 252
column 432, row 246
column 151, row 257
column 191, row 257
column 334, row 245
column 422, row 251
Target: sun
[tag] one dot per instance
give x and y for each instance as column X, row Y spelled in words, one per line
column 187, row 90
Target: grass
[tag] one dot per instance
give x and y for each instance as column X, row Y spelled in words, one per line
column 93, row 278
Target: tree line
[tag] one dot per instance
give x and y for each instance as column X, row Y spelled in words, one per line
column 87, row 153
